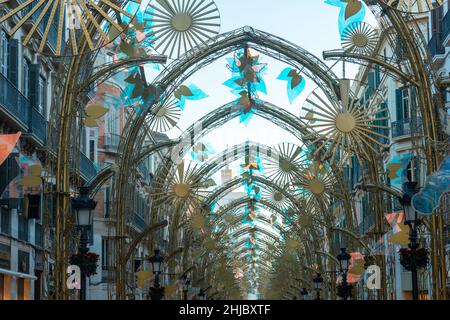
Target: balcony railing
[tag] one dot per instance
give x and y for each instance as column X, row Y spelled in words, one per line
column 87, row 167
column 13, row 101
column 400, row 128
column 37, row 125
column 446, row 27
column 111, row 141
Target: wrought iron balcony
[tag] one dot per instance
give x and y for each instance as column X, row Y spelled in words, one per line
column 87, row 167
column 37, row 125
column 12, row 100
column 446, row 27
column 111, row 142
column 400, row 128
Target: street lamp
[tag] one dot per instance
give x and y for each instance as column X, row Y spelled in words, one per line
column 318, row 281
column 413, row 222
column 344, row 264
column 156, row 262
column 202, row 295
column 304, row 293
column 186, row 286
column 83, row 206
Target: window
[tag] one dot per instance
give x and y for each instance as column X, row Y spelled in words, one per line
column 42, row 103
column 23, row 228
column 405, row 104
column 412, row 171
column 92, row 150
column 26, row 78
column 23, row 262
column 4, row 44
column 5, row 217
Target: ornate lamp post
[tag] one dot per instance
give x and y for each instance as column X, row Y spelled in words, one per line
column 413, row 222
column 318, row 281
column 304, row 293
column 157, row 262
column 344, row 263
column 202, row 295
column 186, row 286
column 83, row 206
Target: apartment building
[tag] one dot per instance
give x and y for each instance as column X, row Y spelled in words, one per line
column 403, row 152
column 26, row 82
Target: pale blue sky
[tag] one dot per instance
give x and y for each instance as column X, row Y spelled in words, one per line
column 311, row 24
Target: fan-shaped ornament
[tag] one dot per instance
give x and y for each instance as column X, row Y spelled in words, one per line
column 360, row 38
column 70, row 27
column 342, row 129
column 165, row 116
column 286, row 160
column 176, row 27
column 414, row 6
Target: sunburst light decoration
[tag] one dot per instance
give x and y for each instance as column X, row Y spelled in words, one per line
column 165, row 116
column 315, row 184
column 71, row 23
column 247, row 71
column 414, row 6
column 341, row 129
column 276, row 198
column 176, row 27
column 183, row 186
column 285, row 162
column 359, row 38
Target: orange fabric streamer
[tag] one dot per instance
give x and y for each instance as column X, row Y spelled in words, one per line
column 7, row 143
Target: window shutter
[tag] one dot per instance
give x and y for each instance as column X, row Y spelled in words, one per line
column 13, row 70
column 398, row 104
column 377, row 76
column 34, row 85
column 371, row 80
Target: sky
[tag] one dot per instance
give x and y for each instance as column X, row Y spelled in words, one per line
column 311, row 24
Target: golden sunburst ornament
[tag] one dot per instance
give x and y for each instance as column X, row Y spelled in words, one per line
column 341, row 129
column 414, row 6
column 176, row 27
column 284, row 163
column 183, row 186
column 315, row 184
column 165, row 116
column 359, row 38
column 276, row 198
column 93, row 23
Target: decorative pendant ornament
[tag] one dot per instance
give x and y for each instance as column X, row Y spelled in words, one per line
column 71, row 27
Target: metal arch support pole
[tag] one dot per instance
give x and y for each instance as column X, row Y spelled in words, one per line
column 342, row 55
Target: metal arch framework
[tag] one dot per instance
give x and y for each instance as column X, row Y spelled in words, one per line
column 197, row 58
column 67, row 117
column 237, row 182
